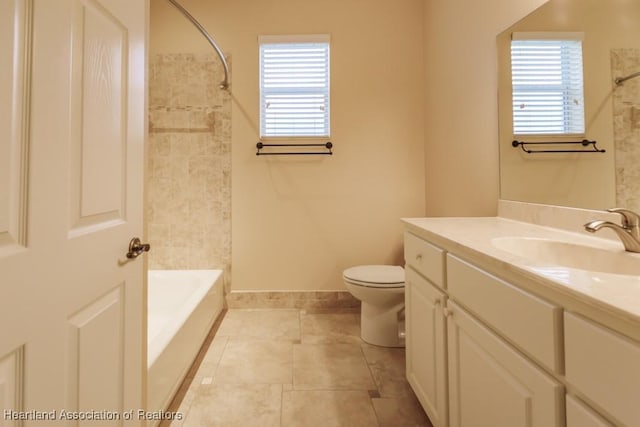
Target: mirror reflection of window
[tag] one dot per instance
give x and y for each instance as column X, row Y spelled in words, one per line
column 547, row 84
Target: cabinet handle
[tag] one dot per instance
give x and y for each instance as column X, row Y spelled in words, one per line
column 447, row 312
column 437, row 302
column 419, row 257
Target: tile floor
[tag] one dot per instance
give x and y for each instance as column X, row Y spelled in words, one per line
column 286, row 368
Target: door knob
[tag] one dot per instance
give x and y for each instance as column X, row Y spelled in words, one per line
column 136, row 247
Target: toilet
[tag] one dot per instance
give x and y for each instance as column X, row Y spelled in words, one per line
column 380, row 288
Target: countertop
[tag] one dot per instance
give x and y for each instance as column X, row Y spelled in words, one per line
column 472, row 238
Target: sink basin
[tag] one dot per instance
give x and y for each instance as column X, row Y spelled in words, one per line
column 571, row 255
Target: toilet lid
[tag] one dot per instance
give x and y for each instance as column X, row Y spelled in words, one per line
column 376, row 275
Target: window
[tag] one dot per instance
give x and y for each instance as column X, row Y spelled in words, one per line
column 294, row 86
column 548, row 94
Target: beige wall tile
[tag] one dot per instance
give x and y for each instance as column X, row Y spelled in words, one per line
column 189, row 159
column 309, row 300
column 626, row 119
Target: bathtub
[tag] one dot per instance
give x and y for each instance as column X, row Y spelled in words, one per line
column 182, row 306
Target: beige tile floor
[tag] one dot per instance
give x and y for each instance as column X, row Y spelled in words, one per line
column 286, row 368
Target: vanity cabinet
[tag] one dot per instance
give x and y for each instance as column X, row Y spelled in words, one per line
column 485, row 351
column 463, row 373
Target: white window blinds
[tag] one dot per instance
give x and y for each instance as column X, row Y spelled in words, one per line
column 548, row 95
column 294, row 86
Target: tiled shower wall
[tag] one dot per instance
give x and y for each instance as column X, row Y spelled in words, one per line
column 626, row 126
column 189, row 179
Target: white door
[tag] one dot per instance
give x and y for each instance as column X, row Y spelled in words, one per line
column 72, row 117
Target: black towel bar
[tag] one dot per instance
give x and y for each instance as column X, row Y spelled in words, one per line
column 260, row 146
column 584, row 143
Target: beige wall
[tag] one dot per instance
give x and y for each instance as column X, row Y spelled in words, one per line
column 461, row 120
column 298, row 222
column 579, row 180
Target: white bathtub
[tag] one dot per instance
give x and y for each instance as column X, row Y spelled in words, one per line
column 182, row 306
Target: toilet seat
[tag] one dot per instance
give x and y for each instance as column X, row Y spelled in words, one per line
column 375, row 276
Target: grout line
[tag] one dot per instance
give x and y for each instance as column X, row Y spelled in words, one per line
column 375, row 412
column 373, row 378
column 293, row 343
column 299, row 342
column 282, row 400
column 224, row 348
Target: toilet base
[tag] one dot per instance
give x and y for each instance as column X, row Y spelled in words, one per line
column 383, row 327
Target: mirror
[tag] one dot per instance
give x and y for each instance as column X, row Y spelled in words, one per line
column 611, row 49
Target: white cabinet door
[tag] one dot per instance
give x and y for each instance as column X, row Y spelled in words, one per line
column 426, row 351
column 491, row 384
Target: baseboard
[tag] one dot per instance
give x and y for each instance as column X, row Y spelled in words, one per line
column 292, row 299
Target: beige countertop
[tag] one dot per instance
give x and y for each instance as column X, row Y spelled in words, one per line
column 473, row 239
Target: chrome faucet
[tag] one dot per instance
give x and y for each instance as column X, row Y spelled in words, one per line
column 628, row 231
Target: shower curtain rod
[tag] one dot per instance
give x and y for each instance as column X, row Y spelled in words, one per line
column 225, row 83
column 621, row 80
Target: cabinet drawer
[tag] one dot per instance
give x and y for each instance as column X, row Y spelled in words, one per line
column 528, row 321
column 604, row 366
column 425, row 258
